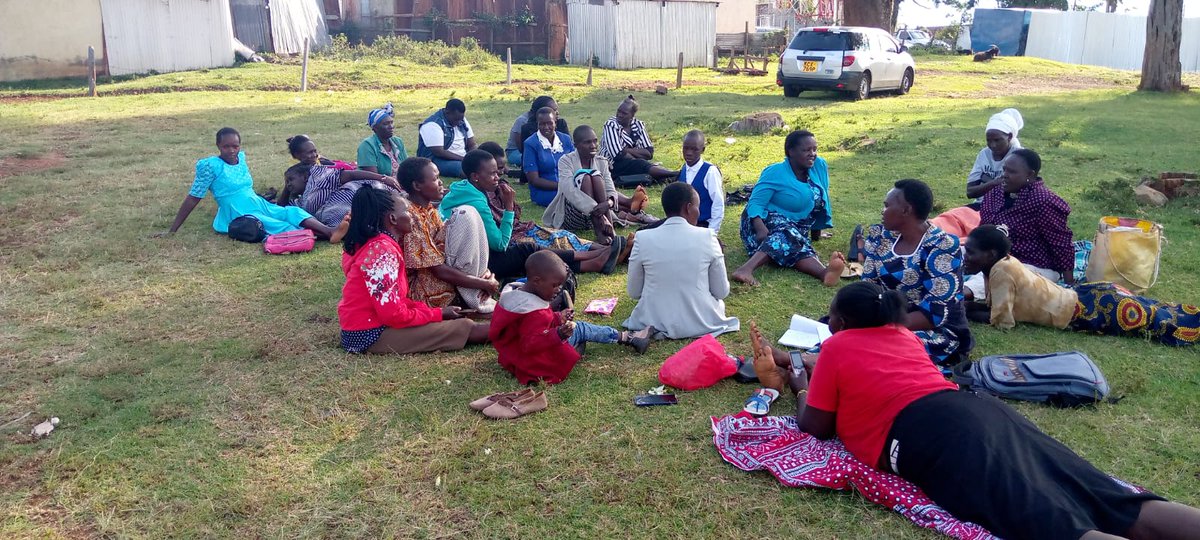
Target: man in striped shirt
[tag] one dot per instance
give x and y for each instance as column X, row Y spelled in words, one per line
column 627, row 146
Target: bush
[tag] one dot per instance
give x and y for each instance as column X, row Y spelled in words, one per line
column 404, row 48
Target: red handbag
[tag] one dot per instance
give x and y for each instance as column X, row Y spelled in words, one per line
column 300, row 241
column 702, row 363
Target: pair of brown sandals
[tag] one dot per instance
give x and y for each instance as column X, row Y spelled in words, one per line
column 510, row 405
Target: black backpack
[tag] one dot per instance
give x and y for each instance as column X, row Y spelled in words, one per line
column 1063, row 379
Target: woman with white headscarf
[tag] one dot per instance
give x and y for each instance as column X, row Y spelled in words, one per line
column 1001, row 134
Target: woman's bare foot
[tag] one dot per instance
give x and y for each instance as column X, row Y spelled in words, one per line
column 744, row 275
column 639, row 199
column 340, row 231
column 623, row 257
column 768, row 373
column 833, row 272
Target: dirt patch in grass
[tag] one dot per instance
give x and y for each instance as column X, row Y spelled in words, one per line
column 27, row 164
column 1002, row 85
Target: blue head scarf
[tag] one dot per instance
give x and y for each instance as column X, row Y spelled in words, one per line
column 376, row 116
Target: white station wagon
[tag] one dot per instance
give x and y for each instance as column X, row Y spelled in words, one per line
column 854, row 59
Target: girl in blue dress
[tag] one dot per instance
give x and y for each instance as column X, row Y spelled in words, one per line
column 228, row 178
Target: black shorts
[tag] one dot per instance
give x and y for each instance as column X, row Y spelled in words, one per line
column 510, row 263
column 983, row 462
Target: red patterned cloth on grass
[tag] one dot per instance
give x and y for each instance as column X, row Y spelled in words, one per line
column 798, row 459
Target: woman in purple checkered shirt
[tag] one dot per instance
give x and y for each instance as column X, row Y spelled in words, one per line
column 1036, row 217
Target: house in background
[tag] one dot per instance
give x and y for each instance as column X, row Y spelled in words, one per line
column 531, row 28
column 140, row 36
column 280, row 26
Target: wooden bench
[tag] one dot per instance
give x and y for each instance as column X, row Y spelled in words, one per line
column 752, row 47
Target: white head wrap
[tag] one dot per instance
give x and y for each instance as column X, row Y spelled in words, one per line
column 1008, row 121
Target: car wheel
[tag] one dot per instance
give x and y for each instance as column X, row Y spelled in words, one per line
column 864, row 87
column 906, row 82
column 791, row 90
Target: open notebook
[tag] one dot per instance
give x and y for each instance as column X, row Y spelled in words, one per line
column 804, row 333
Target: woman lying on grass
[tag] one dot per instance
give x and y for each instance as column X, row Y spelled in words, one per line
column 1017, row 294
column 875, row 389
column 228, row 178
column 312, row 183
column 375, row 312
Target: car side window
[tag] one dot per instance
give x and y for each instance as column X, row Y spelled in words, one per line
column 887, row 44
column 858, row 42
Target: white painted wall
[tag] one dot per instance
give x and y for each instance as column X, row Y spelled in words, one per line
column 46, row 39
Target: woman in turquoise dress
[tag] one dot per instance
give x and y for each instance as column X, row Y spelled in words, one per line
column 787, row 211
column 228, row 178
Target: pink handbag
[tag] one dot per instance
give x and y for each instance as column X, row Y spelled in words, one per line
column 300, row 241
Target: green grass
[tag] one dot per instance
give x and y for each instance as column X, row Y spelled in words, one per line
column 202, row 391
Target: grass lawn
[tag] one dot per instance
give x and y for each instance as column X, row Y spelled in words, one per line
column 203, row 394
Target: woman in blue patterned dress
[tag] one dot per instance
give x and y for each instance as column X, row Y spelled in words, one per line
column 787, row 211
column 908, row 254
column 228, row 177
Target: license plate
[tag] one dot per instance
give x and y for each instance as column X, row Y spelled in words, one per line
column 810, row 65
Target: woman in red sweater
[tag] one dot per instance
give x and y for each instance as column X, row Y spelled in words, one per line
column 875, row 389
column 375, row 313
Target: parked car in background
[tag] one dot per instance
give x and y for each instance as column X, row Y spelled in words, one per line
column 920, row 38
column 853, row 59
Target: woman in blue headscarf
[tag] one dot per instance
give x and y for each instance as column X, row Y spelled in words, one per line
column 382, row 152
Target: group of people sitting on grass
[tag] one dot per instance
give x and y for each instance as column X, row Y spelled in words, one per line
column 418, row 258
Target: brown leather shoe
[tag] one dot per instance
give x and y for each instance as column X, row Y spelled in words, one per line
column 507, row 409
column 486, row 401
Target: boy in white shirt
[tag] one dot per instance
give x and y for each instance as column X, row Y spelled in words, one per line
column 705, row 178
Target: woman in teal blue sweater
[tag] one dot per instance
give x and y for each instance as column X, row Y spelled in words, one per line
column 788, row 209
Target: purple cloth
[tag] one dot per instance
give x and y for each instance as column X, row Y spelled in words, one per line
column 1037, row 225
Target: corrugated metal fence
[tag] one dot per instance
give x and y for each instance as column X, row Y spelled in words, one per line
column 641, row 33
column 1102, row 39
column 252, row 24
column 166, row 35
column 294, row 20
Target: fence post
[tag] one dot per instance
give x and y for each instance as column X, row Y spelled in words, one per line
column 591, row 61
column 679, row 73
column 91, row 67
column 304, row 68
column 508, row 79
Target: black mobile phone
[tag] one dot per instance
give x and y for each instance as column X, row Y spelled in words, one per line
column 797, row 359
column 650, row 400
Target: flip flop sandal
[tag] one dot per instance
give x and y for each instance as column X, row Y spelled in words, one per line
column 614, row 253
column 853, row 270
column 853, row 253
column 759, row 403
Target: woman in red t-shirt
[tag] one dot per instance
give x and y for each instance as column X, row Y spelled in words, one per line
column 875, row 388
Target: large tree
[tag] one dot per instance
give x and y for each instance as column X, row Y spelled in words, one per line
column 1161, row 70
column 876, row 13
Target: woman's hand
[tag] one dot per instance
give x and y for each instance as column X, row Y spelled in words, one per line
column 797, row 380
column 450, row 313
column 760, row 229
column 391, row 182
column 507, row 196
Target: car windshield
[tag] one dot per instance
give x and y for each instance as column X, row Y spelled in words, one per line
column 808, row 40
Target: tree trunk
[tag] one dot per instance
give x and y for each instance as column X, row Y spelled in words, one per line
column 875, row 13
column 1161, row 70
